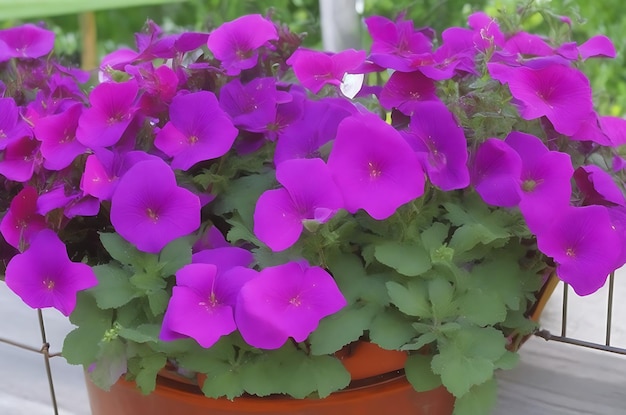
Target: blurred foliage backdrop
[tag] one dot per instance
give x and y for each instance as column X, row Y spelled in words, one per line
column 118, row 20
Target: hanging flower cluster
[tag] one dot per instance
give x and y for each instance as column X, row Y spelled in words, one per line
column 294, row 178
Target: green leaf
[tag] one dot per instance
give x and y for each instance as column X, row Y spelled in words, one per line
column 114, row 288
column 508, row 361
column 240, row 231
column 223, row 381
column 409, row 260
column 242, row 194
column 411, row 299
column 459, row 372
column 420, row 374
column 148, row 282
column 327, row 374
column 482, row 308
column 339, row 329
column 391, row 329
column 355, row 283
column 441, row 296
column 158, row 301
column 144, row 333
column 481, row 399
column 111, row 364
column 150, row 366
column 120, row 249
column 175, row 255
column 435, row 235
column 421, row 341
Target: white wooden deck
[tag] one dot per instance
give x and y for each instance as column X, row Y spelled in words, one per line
column 551, row 379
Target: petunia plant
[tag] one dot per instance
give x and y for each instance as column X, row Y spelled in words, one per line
column 232, row 205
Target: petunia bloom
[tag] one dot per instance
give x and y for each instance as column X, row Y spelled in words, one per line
column 496, row 173
column 21, row 222
column 43, row 276
column 584, row 246
column 597, row 187
column 202, row 303
column 236, row 43
column 20, row 158
column 26, row 41
column 405, row 90
column 440, row 145
column 285, row 301
column 315, row 69
column 374, row 167
column 198, row 130
column 309, row 194
column 151, row 216
column 57, row 134
column 111, row 112
column 11, row 125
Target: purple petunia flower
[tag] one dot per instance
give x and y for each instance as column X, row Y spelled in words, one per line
column 43, row 276
column 236, row 43
column 111, row 112
column 202, row 303
column 11, row 125
column 375, row 168
column 315, row 69
column 495, row 173
column 584, row 245
column 26, row 41
column 405, row 90
column 57, row 134
column 151, row 216
column 598, row 187
column 285, row 301
column 396, row 45
column 309, row 194
column 545, row 180
column 597, row 46
column 560, row 93
column 487, row 33
column 198, row 130
column 73, row 203
column 440, row 145
column 20, row 158
column 21, row 222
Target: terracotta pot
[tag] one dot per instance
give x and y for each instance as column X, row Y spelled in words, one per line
column 378, row 385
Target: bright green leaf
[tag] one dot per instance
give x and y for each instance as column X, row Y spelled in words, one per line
column 482, row 308
column 435, row 236
column 150, row 366
column 409, row 260
column 411, row 299
column 420, row 374
column 339, row 329
column 144, row 333
column 441, row 296
column 481, row 399
column 355, row 283
column 114, row 288
column 158, row 301
column 223, row 382
column 508, row 361
column 175, row 255
column 421, row 341
column 391, row 329
column 111, row 364
column 120, row 249
column 148, row 282
column 459, row 372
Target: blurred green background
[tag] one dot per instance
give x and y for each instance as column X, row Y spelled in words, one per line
column 87, row 29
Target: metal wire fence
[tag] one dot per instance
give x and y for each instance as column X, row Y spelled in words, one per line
column 606, row 346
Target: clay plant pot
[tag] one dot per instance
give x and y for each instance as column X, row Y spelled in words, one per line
column 378, row 386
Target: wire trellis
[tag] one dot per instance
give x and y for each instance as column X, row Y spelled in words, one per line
column 607, row 346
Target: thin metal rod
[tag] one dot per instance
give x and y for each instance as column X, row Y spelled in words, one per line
column 46, row 358
column 609, row 310
column 564, row 313
column 545, row 334
column 27, row 347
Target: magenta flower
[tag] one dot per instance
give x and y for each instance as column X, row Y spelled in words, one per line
column 487, row 33
column 396, row 45
column 236, row 43
column 104, row 168
column 11, row 125
column 545, row 180
column 315, row 69
column 496, row 173
column 111, row 112
column 57, row 134
column 597, row 187
column 560, row 93
column 26, row 41
column 21, row 222
column 378, row 174
column 309, row 194
column 584, row 245
column 198, row 130
column 73, row 203
column 202, row 303
column 151, row 216
column 20, row 158
column 285, row 301
column 43, row 276
column 405, row 90
column 597, row 46
column 440, row 145
column 224, row 258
